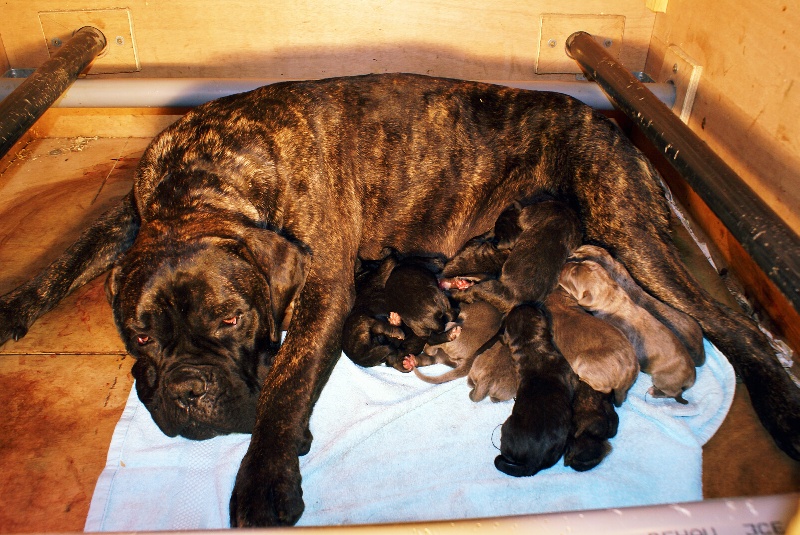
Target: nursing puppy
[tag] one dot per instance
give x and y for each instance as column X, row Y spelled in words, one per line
column 478, row 323
column 658, row 350
column 493, row 374
column 368, row 338
column 599, row 353
column 398, row 309
column 550, row 230
column 414, row 300
column 535, row 436
column 483, row 257
column 685, row 328
column 254, row 201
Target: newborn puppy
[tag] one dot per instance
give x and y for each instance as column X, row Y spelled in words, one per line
column 413, row 297
column 659, row 351
column 594, row 421
column 535, row 436
column 493, row 374
column 684, row 326
column 597, row 351
column 550, row 230
column 367, row 336
column 479, row 322
column 483, row 257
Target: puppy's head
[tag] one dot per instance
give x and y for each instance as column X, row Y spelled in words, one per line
column 588, row 283
column 202, row 317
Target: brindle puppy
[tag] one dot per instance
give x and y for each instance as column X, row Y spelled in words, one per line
column 483, row 257
column 535, row 436
column 550, row 230
column 375, row 332
column 414, row 300
column 257, row 200
column 367, row 337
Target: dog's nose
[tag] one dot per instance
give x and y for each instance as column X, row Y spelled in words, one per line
column 187, row 386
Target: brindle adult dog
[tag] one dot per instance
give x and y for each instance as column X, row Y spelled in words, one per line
column 258, row 200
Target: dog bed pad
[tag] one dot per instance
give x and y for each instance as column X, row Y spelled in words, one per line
column 391, row 448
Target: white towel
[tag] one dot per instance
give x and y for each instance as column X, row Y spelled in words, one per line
column 390, row 448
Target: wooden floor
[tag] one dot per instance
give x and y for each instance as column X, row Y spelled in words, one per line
column 63, row 386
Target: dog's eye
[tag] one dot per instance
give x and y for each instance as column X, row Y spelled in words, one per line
column 142, row 339
column 231, row 321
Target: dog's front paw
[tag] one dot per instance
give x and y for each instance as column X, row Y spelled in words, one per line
column 267, row 492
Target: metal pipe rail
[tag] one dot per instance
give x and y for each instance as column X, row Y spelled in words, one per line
column 37, row 93
column 189, row 92
column 766, row 238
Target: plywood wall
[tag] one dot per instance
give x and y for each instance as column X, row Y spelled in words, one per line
column 747, row 108
column 310, row 39
column 4, row 65
column 748, row 99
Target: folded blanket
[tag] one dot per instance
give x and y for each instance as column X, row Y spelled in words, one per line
column 390, row 448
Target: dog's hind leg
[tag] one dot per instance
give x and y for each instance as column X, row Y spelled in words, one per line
column 624, row 210
column 95, row 251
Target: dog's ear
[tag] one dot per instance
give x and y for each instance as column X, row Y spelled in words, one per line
column 285, row 266
column 112, row 284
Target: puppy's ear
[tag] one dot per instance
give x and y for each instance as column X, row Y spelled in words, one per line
column 285, row 266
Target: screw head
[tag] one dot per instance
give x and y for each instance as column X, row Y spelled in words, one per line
column 551, row 43
column 607, row 43
column 56, row 42
column 675, row 68
column 120, row 40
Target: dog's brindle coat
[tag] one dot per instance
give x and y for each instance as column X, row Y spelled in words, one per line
column 254, row 199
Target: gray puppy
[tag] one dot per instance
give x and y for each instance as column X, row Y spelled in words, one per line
column 494, row 374
column 685, row 328
column 659, row 351
column 599, row 353
column 479, row 322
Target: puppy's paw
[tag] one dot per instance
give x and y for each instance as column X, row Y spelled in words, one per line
column 453, row 333
column 467, row 295
column 585, row 452
column 588, row 252
column 395, row 319
column 267, row 492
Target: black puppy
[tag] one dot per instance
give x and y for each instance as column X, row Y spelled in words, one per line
column 367, row 336
column 535, row 436
column 594, row 421
column 398, row 309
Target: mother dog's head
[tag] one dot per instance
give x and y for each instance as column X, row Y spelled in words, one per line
column 201, row 310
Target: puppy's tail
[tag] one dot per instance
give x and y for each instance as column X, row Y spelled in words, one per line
column 461, row 371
